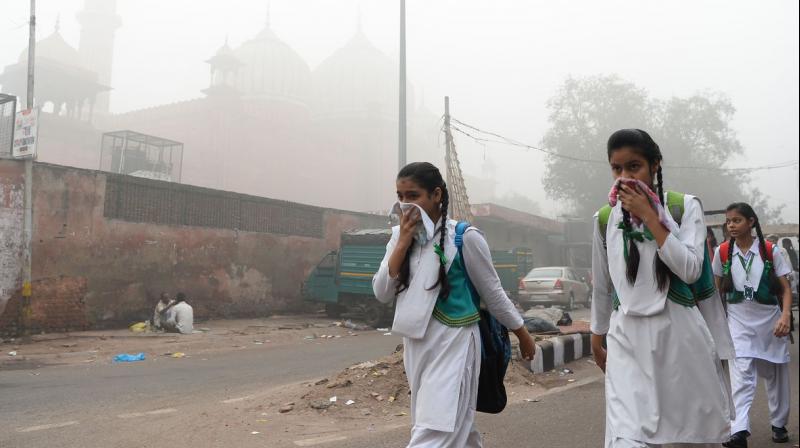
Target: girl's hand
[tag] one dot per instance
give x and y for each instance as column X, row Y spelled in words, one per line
column 408, row 223
column 636, row 202
column 783, row 325
column 598, row 352
column 527, row 346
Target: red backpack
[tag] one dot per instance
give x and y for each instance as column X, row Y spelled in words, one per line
column 724, row 248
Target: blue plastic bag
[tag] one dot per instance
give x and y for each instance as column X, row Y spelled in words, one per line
column 124, row 357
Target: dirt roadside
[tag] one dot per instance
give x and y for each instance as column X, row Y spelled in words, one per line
column 88, row 347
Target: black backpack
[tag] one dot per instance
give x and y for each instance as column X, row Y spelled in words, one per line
column 495, row 352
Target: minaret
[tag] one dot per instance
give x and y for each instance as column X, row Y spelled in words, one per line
column 99, row 22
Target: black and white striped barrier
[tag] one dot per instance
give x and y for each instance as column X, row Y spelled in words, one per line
column 557, row 351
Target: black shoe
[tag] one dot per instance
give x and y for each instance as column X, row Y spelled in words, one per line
column 780, row 435
column 738, row 440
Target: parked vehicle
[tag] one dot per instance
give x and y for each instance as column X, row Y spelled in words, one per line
column 558, row 285
column 342, row 280
column 511, row 266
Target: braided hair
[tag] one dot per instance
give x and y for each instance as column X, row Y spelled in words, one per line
column 641, row 143
column 428, row 177
column 744, row 209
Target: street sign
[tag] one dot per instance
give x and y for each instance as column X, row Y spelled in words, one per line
column 26, row 127
column 8, row 114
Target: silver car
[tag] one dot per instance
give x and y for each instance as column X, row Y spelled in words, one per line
column 559, row 285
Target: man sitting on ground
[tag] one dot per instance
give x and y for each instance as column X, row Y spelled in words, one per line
column 158, row 314
column 178, row 317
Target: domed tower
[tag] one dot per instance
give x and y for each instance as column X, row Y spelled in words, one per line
column 355, row 113
column 64, row 86
column 272, row 70
column 99, row 23
column 355, row 80
column 225, row 67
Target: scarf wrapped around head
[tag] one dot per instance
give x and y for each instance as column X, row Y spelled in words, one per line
column 655, row 201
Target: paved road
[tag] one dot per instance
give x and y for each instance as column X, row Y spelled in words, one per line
column 122, row 405
column 572, row 418
column 64, row 394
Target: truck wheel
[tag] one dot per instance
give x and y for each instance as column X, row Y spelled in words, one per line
column 333, row 310
column 373, row 314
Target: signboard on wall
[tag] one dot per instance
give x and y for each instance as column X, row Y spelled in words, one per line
column 26, row 126
column 8, row 109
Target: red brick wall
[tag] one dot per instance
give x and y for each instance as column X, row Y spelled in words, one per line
column 90, row 271
column 11, row 216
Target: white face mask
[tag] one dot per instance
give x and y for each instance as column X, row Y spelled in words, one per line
column 425, row 227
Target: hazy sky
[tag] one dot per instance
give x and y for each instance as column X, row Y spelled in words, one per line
column 499, row 61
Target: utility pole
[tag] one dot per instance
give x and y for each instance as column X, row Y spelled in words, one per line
column 401, row 132
column 459, row 200
column 28, row 215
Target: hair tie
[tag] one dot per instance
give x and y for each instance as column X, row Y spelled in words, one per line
column 440, row 252
column 726, row 268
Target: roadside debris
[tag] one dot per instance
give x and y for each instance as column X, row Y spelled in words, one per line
column 540, row 326
column 125, row 357
column 565, row 321
column 139, row 327
column 354, row 326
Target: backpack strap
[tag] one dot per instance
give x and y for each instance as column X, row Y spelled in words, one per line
column 675, row 205
column 770, row 248
column 724, row 247
column 723, row 252
column 602, row 220
column 461, row 227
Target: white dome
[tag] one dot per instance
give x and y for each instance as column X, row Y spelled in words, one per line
column 271, row 69
column 56, row 49
column 356, row 78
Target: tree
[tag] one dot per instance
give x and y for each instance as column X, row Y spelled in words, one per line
column 693, row 133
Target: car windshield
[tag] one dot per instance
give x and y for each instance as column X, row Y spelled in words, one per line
column 544, row 273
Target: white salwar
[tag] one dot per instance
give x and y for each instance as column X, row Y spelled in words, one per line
column 759, row 354
column 443, row 363
column 664, row 379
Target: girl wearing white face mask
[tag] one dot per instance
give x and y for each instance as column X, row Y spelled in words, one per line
column 437, row 313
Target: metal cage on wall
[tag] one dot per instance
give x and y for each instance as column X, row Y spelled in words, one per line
column 141, row 155
column 8, row 108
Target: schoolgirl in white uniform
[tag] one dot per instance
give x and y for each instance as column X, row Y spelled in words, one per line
column 752, row 276
column 655, row 303
column 436, row 312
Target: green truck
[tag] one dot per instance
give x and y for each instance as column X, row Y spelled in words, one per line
column 342, row 280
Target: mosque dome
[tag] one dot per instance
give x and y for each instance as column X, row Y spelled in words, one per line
column 55, row 49
column 271, row 69
column 356, row 78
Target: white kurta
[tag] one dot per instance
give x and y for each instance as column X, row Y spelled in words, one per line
column 443, row 363
column 664, row 380
column 180, row 318
column 759, row 354
column 751, row 323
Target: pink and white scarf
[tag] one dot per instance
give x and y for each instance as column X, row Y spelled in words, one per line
column 655, row 201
